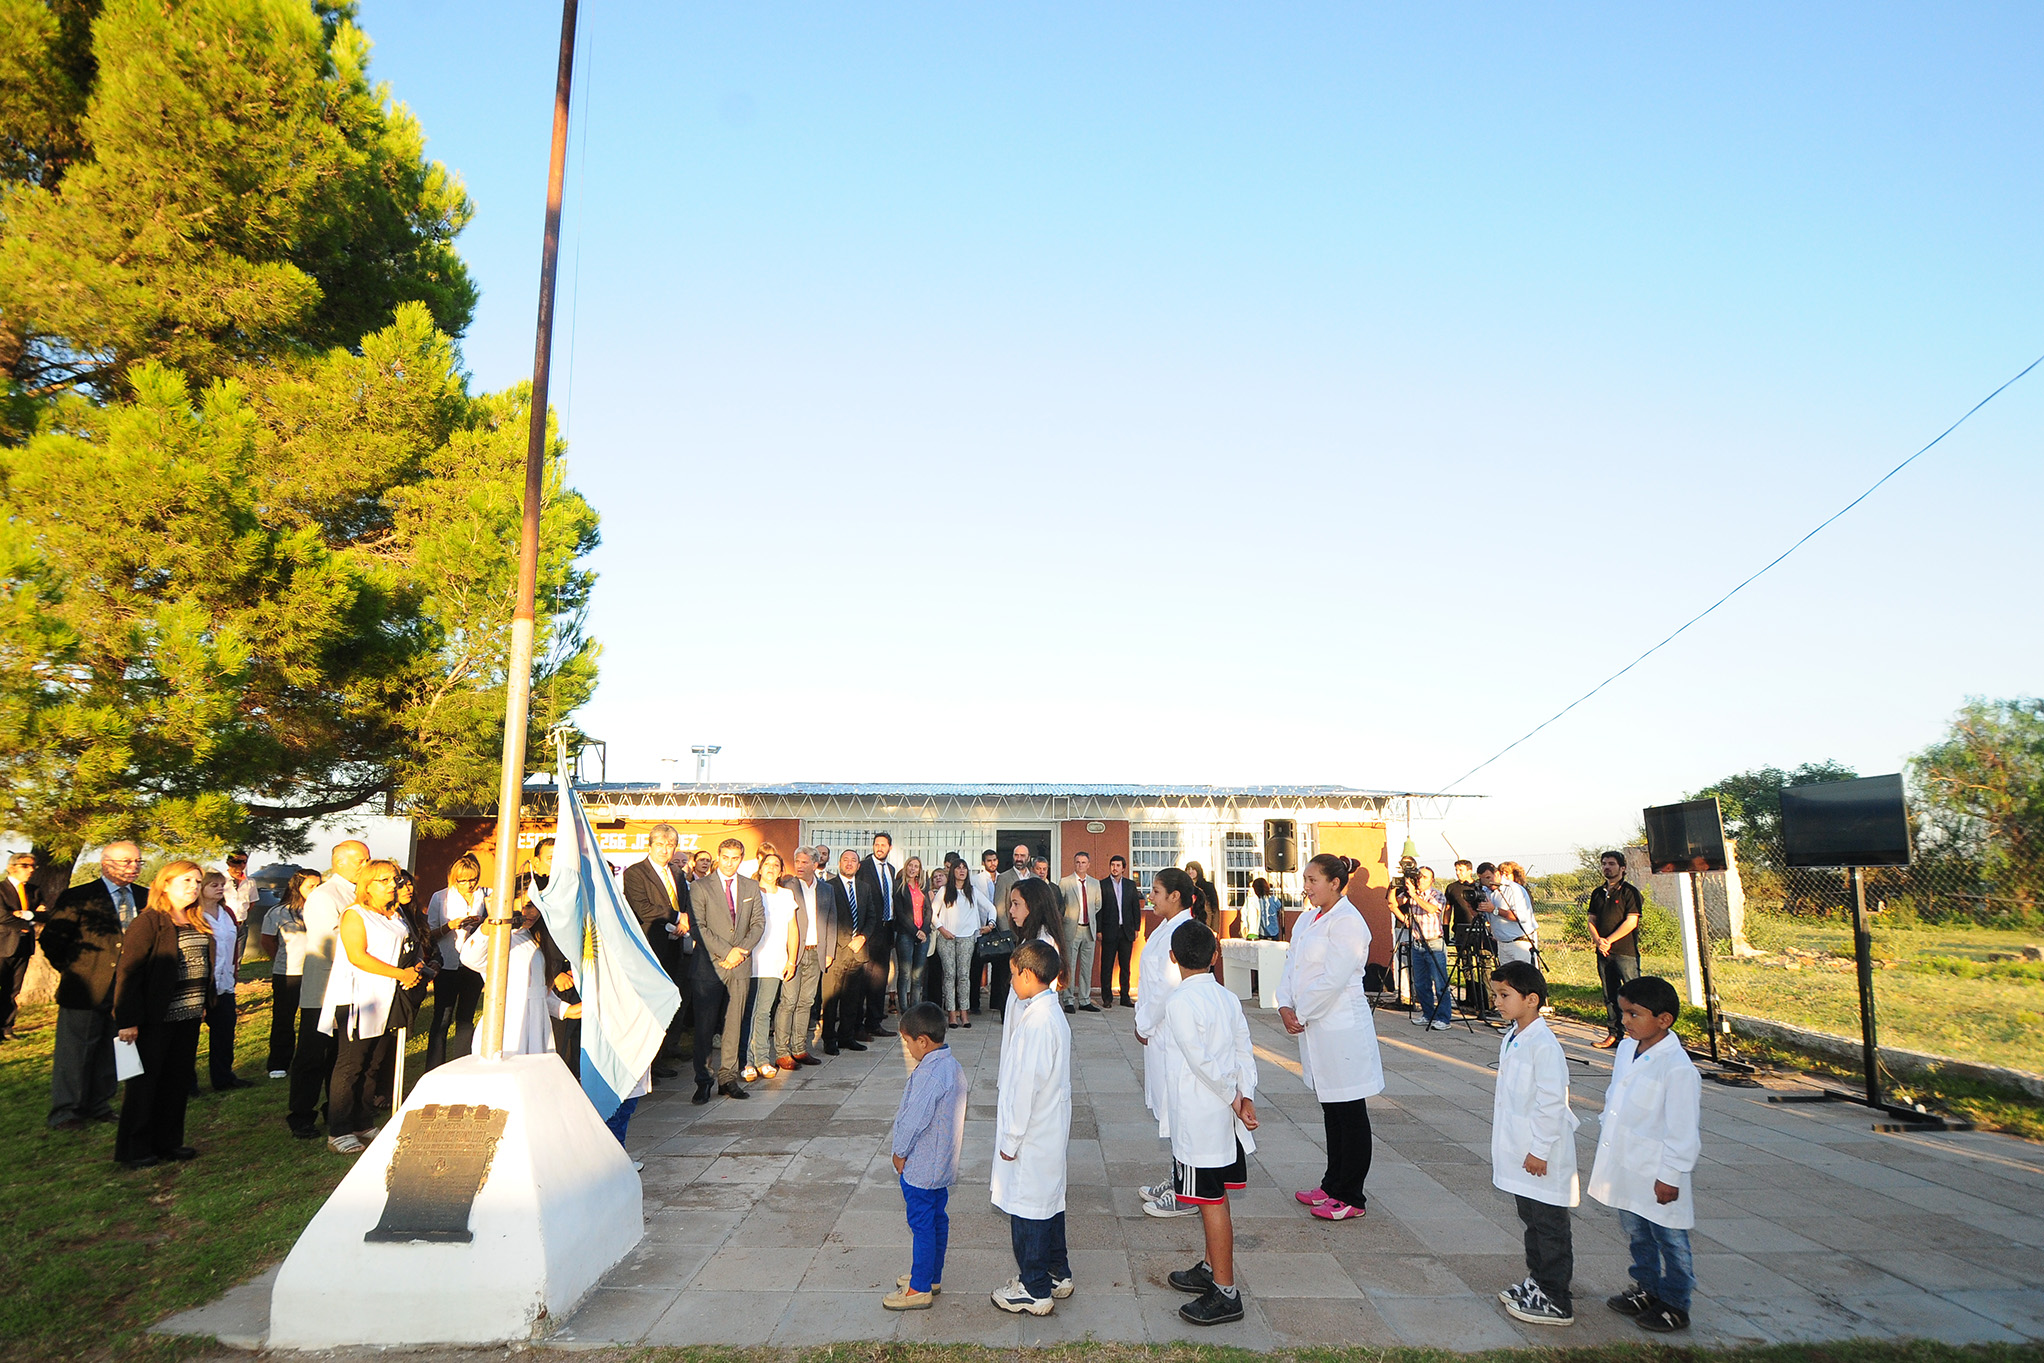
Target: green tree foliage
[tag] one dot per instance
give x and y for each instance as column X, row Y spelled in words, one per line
column 1980, row 797
column 257, row 540
column 1750, row 803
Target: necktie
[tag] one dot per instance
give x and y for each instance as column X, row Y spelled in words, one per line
column 731, row 893
column 886, row 894
column 124, row 903
column 1083, row 920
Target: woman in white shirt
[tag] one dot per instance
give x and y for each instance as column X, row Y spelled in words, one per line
column 1322, row 1002
column 956, row 913
column 773, row 961
column 356, row 1011
column 283, row 941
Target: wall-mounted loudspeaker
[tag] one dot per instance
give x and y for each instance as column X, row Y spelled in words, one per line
column 1280, row 845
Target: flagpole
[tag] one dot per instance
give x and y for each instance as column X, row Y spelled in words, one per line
column 518, row 674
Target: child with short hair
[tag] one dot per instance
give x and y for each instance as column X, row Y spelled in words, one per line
column 1533, row 1146
column 928, row 1129
column 1032, row 1131
column 1210, row 1086
column 1647, row 1147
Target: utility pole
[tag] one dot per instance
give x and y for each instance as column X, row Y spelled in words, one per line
column 518, row 676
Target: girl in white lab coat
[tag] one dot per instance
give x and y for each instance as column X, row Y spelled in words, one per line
column 1174, row 899
column 1033, row 908
column 1321, row 1001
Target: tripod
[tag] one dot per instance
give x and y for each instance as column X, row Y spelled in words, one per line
column 1469, row 976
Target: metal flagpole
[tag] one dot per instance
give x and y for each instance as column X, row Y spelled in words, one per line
column 518, row 676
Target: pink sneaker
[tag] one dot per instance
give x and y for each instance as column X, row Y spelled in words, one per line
column 1335, row 1210
column 1312, row 1197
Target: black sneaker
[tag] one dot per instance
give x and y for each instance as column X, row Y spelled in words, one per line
column 1633, row 1301
column 1214, row 1307
column 1198, row 1280
column 1661, row 1318
column 1535, row 1307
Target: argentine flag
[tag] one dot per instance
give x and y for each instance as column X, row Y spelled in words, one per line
column 627, row 999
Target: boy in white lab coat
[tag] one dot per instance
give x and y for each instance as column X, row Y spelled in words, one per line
column 1173, row 897
column 1647, row 1147
column 1211, row 1091
column 1533, row 1146
column 1032, row 1129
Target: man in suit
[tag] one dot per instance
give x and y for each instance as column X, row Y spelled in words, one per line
column 82, row 940
column 816, row 925
column 881, row 897
column 654, row 890
column 1023, row 868
column 844, row 973
column 1082, row 911
column 1121, row 915
column 17, row 936
column 726, row 918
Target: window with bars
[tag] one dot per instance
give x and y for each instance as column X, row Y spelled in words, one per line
column 1151, row 850
column 929, row 841
column 1244, row 863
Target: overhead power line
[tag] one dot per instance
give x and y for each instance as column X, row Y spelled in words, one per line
column 1744, row 584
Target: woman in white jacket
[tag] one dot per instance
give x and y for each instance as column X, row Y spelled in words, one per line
column 1321, row 1001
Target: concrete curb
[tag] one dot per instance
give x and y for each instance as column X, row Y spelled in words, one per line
column 1898, row 1060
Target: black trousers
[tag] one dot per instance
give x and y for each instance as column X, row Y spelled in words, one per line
column 219, row 1043
column 1117, row 951
column 153, row 1108
column 284, row 991
column 997, row 983
column 843, row 1002
column 879, row 955
column 360, row 1068
column 13, row 974
column 456, row 995
column 1550, row 1249
column 312, row 1066
column 1613, row 971
column 1348, row 1150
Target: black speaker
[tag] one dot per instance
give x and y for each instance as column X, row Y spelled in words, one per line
column 1280, row 845
column 1846, row 823
column 1685, row 837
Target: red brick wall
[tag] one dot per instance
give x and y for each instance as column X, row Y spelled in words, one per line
column 624, row 842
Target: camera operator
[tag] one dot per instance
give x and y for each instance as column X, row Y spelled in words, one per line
column 1468, row 928
column 1510, row 910
column 1403, row 888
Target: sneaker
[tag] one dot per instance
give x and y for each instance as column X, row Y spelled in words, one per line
column 1214, row 1307
column 1170, row 1205
column 904, row 1299
column 638, row 1166
column 1334, row 1209
column 280, row 1074
column 1634, row 1301
column 345, row 1145
column 1439, row 1027
column 1198, row 1280
column 1535, row 1308
column 1661, row 1318
column 1312, row 1197
column 1508, row 1295
column 902, row 1283
column 1155, row 1191
column 1015, row 1297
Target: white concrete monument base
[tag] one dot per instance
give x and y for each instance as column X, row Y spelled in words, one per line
column 561, row 1204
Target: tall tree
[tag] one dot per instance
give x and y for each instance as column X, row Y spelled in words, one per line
column 1750, row 801
column 1980, row 790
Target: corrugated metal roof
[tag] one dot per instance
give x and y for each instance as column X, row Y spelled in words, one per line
column 999, row 790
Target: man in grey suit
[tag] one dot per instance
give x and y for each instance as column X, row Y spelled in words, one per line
column 727, row 920
column 815, row 946
column 1082, row 907
column 1023, row 869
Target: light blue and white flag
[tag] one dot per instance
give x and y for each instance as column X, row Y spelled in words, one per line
column 627, row 999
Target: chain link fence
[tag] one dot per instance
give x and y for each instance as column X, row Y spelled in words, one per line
column 1958, row 945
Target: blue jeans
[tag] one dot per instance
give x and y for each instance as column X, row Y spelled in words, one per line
column 622, row 1118
column 910, row 956
column 1039, row 1252
column 1660, row 1260
column 759, row 1030
column 1430, row 983
column 930, row 1224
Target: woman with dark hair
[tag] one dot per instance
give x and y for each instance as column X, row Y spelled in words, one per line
column 162, row 988
column 1175, row 900
column 1213, row 906
column 283, row 939
column 1321, row 1001
column 955, row 914
column 1034, row 909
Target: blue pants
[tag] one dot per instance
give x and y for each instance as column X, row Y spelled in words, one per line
column 930, row 1224
column 759, row 1024
column 1039, row 1252
column 1660, row 1259
column 909, row 958
column 1430, row 983
column 622, row 1118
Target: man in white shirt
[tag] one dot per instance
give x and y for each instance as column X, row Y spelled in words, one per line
column 313, row 1062
column 815, row 943
column 240, row 899
column 983, row 886
column 1082, row 908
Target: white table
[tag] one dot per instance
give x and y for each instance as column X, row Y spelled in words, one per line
column 1258, row 957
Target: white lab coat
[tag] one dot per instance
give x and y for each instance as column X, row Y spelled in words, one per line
column 1322, row 984
column 1034, row 1119
column 1649, row 1133
column 528, row 1003
column 1155, row 979
column 1531, row 1116
column 1212, row 1064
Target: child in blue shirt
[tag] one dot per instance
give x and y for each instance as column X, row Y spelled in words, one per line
column 928, row 1128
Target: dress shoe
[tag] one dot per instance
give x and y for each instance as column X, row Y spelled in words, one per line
column 786, row 1062
column 830, row 1050
column 305, row 1133
column 107, row 1116
column 1089, row 1008
column 183, row 1152
column 733, row 1089
column 1069, row 1009
column 68, row 1124
column 145, row 1162
column 1127, row 1002
column 702, row 1095
column 880, row 1031
column 807, row 1059
column 236, row 1082
column 855, row 1045
column 662, row 1072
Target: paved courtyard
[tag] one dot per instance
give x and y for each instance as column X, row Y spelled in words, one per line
column 778, row 1221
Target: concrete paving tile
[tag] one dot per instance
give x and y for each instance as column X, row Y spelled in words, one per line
column 240, row 1319
column 1794, row 1317
column 769, row 1229
column 1460, row 1323
column 694, row 1226
column 659, row 1264
column 1753, row 1233
column 719, row 1318
column 1925, row 1315
column 1115, row 1317
column 1938, row 1271
column 753, row 1270
column 1295, row 1275
column 613, row 1315
column 1420, row 1275
column 1162, row 1325
column 833, row 1318
column 872, row 1228
column 2019, row 1310
column 964, row 1318
column 1307, row 1321
column 1823, row 1274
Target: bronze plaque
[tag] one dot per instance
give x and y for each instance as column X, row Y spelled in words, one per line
column 443, row 1157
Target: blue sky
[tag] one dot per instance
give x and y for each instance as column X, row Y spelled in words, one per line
column 1222, row 393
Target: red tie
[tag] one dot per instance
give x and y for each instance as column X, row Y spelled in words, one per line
column 731, row 893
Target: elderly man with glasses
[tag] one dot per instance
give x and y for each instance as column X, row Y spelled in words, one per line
column 82, row 940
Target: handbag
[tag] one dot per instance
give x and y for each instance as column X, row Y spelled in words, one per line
column 997, row 945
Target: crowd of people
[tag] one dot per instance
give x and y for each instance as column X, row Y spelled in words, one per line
column 779, row 956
